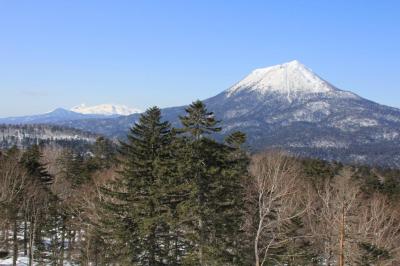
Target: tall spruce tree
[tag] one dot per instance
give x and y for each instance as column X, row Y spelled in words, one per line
column 138, row 201
column 104, row 152
column 73, row 168
column 196, row 123
column 230, row 200
column 36, row 170
column 217, row 192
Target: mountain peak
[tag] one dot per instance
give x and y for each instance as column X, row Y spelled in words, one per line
column 59, row 111
column 289, row 78
column 105, row 109
column 294, row 63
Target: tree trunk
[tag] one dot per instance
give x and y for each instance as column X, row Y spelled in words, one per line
column 201, row 252
column 256, row 240
column 342, row 232
column 15, row 242
column 6, row 236
column 176, row 247
column 153, row 247
column 96, row 252
column 201, row 225
column 32, row 236
column 62, row 242
column 25, row 238
column 70, row 244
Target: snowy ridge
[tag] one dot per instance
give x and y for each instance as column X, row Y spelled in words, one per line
column 289, row 78
column 105, row 109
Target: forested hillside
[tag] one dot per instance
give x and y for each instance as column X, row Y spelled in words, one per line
column 24, row 136
column 177, row 196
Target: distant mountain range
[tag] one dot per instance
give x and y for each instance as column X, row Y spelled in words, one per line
column 80, row 112
column 288, row 106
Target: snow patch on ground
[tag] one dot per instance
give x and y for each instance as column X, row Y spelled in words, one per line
column 354, row 123
column 9, row 261
column 240, row 125
column 323, row 143
column 320, row 143
column 235, row 113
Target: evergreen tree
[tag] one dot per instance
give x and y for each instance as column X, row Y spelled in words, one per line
column 217, row 191
column 198, row 121
column 74, row 168
column 104, row 152
column 230, row 199
column 36, row 170
column 140, row 204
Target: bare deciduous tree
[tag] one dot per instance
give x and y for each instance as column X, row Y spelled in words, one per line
column 377, row 232
column 13, row 180
column 350, row 227
column 333, row 210
column 274, row 199
column 34, row 204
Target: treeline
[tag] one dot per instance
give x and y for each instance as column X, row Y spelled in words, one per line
column 176, row 196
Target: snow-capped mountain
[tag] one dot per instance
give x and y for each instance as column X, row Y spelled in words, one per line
column 288, row 106
column 105, row 109
column 291, row 79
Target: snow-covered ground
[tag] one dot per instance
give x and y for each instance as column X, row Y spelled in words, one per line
column 23, row 260
column 9, row 261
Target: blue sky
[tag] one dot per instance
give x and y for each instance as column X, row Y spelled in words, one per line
column 167, row 53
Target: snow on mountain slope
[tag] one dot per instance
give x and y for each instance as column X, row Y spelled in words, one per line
column 105, row 109
column 290, row 79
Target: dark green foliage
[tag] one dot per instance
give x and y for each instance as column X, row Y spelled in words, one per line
column 144, row 209
column 104, row 153
column 36, row 170
column 236, row 139
column 73, row 168
column 319, row 169
column 385, row 181
column 198, row 121
column 372, row 254
column 216, row 203
column 179, row 198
